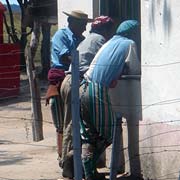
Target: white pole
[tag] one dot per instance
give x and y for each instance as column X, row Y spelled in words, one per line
column 76, row 116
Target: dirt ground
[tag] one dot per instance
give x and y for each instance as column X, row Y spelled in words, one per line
column 20, row 157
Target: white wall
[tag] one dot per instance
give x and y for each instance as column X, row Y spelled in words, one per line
column 159, row 139
column 160, row 54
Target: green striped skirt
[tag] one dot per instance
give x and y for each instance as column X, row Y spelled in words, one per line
column 96, row 110
column 96, row 125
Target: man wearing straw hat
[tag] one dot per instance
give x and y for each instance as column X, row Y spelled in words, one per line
column 64, row 41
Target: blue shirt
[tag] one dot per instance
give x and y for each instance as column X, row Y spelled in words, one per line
column 109, row 62
column 63, row 42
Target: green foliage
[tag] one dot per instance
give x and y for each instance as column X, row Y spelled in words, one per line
column 17, row 24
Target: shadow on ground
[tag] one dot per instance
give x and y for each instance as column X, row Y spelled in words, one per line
column 9, row 158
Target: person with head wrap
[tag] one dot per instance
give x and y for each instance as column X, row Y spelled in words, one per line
column 115, row 57
column 101, row 31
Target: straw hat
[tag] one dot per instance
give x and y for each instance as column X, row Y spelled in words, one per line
column 79, row 15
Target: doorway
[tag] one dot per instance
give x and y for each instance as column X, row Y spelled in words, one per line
column 126, row 97
column 121, row 10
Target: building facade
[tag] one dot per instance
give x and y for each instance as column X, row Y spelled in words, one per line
column 150, row 104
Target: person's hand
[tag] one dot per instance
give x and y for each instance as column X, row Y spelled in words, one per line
column 113, row 84
column 66, row 59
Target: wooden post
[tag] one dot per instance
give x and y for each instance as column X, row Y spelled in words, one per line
column 35, row 99
column 34, row 39
column 45, row 49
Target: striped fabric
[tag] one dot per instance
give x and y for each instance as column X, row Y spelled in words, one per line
column 96, row 124
column 57, row 113
column 96, row 110
column 100, row 109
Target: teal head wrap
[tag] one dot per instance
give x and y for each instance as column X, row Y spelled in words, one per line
column 127, row 27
